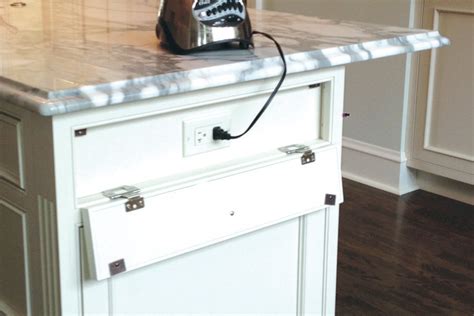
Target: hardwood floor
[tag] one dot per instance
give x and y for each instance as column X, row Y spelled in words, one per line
column 404, row 255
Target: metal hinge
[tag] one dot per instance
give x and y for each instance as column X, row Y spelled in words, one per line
column 131, row 193
column 308, row 155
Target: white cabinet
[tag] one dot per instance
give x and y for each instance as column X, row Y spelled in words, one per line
column 444, row 121
column 245, row 228
column 225, row 231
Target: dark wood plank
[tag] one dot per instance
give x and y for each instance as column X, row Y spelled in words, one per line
column 404, row 255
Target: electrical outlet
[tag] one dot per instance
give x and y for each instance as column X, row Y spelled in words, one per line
column 198, row 134
column 203, row 135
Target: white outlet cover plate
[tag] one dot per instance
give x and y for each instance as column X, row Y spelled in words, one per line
column 190, row 147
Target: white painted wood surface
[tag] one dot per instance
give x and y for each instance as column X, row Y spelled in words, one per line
column 257, row 274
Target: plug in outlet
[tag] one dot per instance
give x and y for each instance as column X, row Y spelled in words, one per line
column 198, row 134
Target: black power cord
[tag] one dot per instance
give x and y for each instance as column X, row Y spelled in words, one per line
column 218, row 133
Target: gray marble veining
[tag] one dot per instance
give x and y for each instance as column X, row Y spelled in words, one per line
column 61, row 56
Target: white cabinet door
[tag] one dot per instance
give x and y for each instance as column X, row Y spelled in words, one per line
column 282, row 269
column 444, row 123
column 216, row 208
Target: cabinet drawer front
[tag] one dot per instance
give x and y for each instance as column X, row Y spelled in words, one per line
column 211, row 211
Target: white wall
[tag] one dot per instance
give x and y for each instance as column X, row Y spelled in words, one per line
column 375, row 90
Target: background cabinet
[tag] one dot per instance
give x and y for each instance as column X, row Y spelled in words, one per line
column 444, row 121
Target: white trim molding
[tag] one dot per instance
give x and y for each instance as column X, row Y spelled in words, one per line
column 376, row 166
column 388, row 170
column 49, row 256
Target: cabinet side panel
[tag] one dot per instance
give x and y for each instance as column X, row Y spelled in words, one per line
column 40, row 199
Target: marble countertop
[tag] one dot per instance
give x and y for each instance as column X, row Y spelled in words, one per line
column 61, row 56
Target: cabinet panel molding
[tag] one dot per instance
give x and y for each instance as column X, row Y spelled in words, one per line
column 14, row 295
column 11, row 154
column 440, row 136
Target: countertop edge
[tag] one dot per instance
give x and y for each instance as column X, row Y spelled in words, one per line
column 138, row 89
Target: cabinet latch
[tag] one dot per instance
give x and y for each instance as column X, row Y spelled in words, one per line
column 131, row 193
column 308, row 155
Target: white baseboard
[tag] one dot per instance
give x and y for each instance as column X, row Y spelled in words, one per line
column 376, row 166
column 387, row 170
column 373, row 150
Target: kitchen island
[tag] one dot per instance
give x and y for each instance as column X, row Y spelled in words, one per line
column 114, row 200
